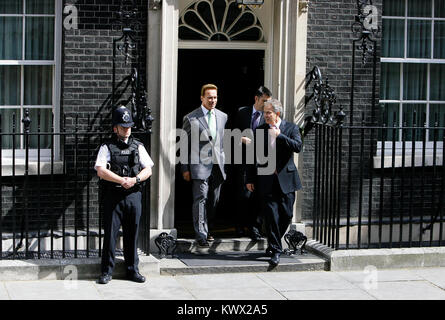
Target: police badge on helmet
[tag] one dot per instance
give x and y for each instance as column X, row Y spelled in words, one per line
column 122, row 117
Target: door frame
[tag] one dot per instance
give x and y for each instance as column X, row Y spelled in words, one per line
column 255, row 78
column 286, row 35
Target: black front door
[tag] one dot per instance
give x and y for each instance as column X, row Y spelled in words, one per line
column 237, row 74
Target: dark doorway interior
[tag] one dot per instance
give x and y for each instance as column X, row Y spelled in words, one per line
column 237, row 74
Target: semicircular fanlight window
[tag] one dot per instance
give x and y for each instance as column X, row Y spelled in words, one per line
column 219, row 20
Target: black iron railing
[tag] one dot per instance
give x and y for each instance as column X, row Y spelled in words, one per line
column 50, row 199
column 376, row 183
column 383, row 192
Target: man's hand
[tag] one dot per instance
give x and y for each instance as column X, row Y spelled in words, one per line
column 128, row 182
column 250, row 187
column 246, row 140
column 274, row 132
column 186, row 175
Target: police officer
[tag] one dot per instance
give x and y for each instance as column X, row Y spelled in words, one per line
column 122, row 164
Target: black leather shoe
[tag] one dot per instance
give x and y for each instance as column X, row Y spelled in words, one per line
column 105, row 278
column 255, row 236
column 136, row 277
column 203, row 243
column 210, row 238
column 275, row 260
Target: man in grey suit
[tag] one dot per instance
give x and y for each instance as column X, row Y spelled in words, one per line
column 205, row 164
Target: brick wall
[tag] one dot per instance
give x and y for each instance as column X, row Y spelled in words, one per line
column 86, row 86
column 330, row 47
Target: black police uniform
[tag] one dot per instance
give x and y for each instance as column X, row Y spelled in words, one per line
column 122, row 206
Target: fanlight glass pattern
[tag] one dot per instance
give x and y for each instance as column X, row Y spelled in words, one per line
column 219, row 20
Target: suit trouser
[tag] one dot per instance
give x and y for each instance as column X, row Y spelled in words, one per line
column 205, row 199
column 249, row 213
column 278, row 211
column 121, row 209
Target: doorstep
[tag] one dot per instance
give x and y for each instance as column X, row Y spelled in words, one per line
column 233, row 255
column 237, row 261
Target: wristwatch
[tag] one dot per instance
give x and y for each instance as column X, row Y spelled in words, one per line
column 138, row 180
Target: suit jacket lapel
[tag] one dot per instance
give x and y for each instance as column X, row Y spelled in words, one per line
column 219, row 126
column 261, row 119
column 282, row 125
column 201, row 117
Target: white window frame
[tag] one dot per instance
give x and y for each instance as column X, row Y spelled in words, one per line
column 45, row 154
column 429, row 147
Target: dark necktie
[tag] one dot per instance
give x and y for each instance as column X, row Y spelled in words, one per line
column 254, row 123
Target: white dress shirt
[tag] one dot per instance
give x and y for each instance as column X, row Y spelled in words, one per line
column 206, row 111
column 272, row 137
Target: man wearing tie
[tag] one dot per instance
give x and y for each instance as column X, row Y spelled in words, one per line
column 205, row 164
column 249, row 117
column 277, row 189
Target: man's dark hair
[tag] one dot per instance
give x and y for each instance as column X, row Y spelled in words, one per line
column 263, row 90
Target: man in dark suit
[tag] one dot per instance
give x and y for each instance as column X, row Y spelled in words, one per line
column 276, row 188
column 205, row 160
column 249, row 117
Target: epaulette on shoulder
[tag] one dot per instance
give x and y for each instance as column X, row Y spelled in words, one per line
column 137, row 141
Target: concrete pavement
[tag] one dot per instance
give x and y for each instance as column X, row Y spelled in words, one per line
column 368, row 284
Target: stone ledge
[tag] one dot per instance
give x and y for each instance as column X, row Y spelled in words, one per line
column 282, row 267
column 64, row 269
column 358, row 259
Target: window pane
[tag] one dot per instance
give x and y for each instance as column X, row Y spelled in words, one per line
column 437, row 114
column 419, row 39
column 390, row 81
column 38, row 88
column 414, row 81
column 393, row 38
column 394, row 7
column 10, row 38
column 390, row 118
column 9, row 85
column 39, row 38
column 11, row 6
column 439, row 39
column 40, row 6
column 437, row 82
column 414, row 115
column 439, row 8
column 7, row 127
column 45, row 126
column 420, row 8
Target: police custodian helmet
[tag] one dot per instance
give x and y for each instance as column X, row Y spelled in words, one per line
column 122, row 117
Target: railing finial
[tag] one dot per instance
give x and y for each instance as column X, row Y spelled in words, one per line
column 26, row 121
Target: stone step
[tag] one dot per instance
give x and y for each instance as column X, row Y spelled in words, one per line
column 231, row 255
column 188, row 263
column 220, row 245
